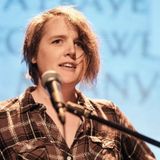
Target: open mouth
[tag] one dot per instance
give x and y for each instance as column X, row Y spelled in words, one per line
column 68, row 65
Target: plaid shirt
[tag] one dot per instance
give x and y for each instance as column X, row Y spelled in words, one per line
column 28, row 133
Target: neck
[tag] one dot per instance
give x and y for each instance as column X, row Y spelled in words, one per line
column 40, row 94
column 69, row 93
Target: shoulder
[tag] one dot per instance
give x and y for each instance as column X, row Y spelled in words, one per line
column 101, row 107
column 106, row 108
column 8, row 105
column 112, row 112
column 103, row 104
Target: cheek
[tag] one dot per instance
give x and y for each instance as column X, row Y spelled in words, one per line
column 41, row 63
column 82, row 68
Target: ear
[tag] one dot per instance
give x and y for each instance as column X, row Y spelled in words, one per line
column 34, row 60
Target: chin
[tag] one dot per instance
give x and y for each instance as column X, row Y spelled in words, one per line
column 69, row 82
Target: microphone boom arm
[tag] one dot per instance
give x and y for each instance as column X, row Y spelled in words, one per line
column 81, row 111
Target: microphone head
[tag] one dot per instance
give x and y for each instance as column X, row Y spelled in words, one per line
column 49, row 76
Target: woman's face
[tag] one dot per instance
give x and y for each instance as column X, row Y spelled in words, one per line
column 60, row 50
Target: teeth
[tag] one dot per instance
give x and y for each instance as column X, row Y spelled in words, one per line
column 68, row 65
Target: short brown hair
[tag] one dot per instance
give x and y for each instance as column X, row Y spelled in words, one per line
column 34, row 35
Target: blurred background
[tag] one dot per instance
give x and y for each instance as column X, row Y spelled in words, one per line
column 129, row 39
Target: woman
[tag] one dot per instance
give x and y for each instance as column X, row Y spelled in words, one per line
column 62, row 40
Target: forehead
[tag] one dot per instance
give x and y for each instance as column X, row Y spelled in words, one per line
column 59, row 24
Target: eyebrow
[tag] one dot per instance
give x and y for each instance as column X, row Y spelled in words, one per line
column 58, row 36
column 63, row 36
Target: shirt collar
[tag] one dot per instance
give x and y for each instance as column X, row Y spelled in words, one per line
column 27, row 102
column 84, row 101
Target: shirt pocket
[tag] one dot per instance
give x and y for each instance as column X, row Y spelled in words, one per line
column 31, row 149
column 103, row 148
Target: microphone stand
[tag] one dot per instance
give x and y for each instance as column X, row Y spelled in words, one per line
column 81, row 111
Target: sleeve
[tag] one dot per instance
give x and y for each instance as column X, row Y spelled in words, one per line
column 132, row 148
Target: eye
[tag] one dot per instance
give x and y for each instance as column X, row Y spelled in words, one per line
column 78, row 43
column 57, row 41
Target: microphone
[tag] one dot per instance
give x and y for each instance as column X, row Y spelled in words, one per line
column 52, row 82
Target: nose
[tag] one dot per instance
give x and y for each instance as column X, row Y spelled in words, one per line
column 71, row 50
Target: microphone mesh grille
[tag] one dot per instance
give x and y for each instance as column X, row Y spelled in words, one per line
column 49, row 76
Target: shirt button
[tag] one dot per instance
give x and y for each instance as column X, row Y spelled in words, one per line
column 51, row 141
column 104, row 152
column 69, row 157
